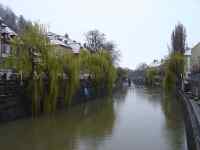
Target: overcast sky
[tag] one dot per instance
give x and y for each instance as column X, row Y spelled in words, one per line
column 140, row 28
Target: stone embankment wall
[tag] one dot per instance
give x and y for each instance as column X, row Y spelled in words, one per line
column 191, row 111
column 15, row 103
column 11, row 103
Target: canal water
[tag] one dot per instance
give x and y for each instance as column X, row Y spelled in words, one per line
column 135, row 118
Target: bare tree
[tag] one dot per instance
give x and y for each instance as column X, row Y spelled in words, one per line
column 94, row 40
column 142, row 66
column 178, row 39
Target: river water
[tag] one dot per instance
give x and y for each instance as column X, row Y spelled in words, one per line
column 136, row 118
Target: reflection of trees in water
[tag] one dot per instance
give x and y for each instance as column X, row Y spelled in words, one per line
column 171, row 107
column 151, row 95
column 99, row 125
column 154, row 95
column 88, row 123
column 120, row 94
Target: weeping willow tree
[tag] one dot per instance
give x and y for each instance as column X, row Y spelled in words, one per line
column 26, row 49
column 52, row 70
column 34, row 57
column 72, row 69
column 174, row 71
column 99, row 66
column 151, row 74
column 44, row 68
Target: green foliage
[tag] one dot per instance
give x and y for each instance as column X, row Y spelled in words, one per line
column 99, row 66
column 174, row 71
column 150, row 75
column 30, row 55
column 176, row 63
column 43, row 67
column 72, row 70
column 169, row 81
column 52, row 68
column 31, row 41
column 121, row 75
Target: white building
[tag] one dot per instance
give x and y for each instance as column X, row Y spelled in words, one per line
column 195, row 58
column 6, row 35
column 188, row 65
column 64, row 42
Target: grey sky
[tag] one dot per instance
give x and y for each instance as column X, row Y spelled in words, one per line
column 140, row 28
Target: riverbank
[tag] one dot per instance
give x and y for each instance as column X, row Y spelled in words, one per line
column 191, row 111
column 16, row 104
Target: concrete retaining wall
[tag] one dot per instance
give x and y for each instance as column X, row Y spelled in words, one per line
column 191, row 111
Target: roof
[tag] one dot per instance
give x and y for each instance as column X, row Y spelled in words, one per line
column 56, row 39
column 196, row 45
column 8, row 30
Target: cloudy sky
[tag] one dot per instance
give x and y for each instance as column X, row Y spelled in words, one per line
column 140, row 28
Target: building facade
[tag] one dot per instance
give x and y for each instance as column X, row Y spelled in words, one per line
column 195, row 70
column 64, row 43
column 188, row 64
column 6, row 34
column 195, row 58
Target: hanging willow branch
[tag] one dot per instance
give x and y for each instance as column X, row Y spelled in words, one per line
column 43, row 66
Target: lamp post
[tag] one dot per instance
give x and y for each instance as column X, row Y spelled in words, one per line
column 35, row 59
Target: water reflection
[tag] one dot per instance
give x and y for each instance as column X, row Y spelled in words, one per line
column 174, row 123
column 134, row 118
column 88, row 123
column 120, row 95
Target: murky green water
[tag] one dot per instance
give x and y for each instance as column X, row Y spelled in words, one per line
column 134, row 119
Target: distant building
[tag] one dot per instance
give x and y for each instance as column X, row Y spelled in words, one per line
column 64, row 43
column 157, row 66
column 187, row 68
column 195, row 58
column 195, row 70
column 6, row 35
